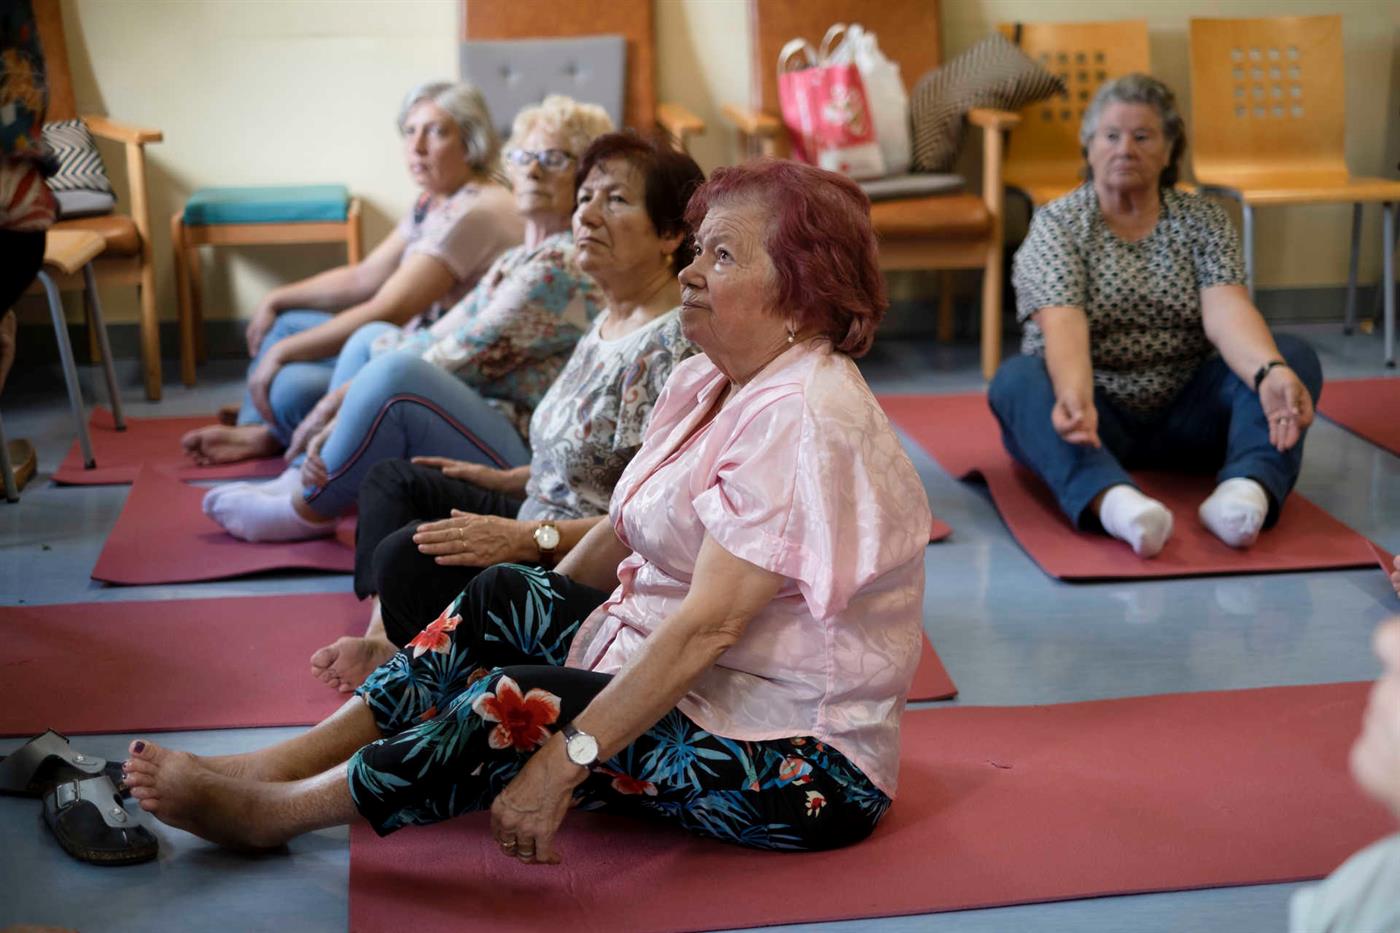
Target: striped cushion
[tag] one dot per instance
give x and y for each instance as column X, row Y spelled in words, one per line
column 79, row 163
column 993, row 73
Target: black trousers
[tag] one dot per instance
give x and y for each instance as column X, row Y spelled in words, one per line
column 396, row 497
column 23, row 252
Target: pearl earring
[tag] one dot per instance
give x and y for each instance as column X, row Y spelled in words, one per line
column 791, row 335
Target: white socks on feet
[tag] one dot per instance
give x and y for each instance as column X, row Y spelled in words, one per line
column 1235, row 512
column 247, row 512
column 1130, row 516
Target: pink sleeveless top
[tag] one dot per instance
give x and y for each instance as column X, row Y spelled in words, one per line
column 800, row 474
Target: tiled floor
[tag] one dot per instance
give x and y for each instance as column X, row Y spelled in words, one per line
column 1008, row 634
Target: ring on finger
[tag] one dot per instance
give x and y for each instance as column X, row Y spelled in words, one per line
column 507, row 843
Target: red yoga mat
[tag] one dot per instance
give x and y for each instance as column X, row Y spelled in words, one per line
column 162, row 536
column 154, row 441
column 996, row 806
column 170, row 664
column 961, row 433
column 1366, row 407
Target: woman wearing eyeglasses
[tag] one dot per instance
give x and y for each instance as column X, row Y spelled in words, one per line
column 465, row 387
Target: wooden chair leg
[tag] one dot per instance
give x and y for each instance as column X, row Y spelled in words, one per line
column 182, row 298
column 195, row 269
column 945, row 305
column 991, row 312
column 354, row 245
column 150, row 330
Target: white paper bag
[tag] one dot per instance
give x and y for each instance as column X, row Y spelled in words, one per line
column 884, row 89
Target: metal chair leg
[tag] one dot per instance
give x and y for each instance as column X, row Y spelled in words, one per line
column 7, row 470
column 90, row 280
column 1247, row 213
column 70, row 370
column 1388, row 279
column 1350, row 324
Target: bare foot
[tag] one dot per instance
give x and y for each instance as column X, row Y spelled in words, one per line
column 347, row 662
column 179, row 791
column 219, row 444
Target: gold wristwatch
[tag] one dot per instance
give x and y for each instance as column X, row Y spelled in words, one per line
column 547, row 540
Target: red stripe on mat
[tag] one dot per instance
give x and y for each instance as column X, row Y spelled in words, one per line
column 170, row 664
column 1366, row 407
column 163, row 536
column 154, row 441
column 997, row 805
column 961, row 433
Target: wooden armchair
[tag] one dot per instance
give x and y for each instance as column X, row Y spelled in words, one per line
column 945, row 231
column 634, row 20
column 127, row 257
column 1043, row 159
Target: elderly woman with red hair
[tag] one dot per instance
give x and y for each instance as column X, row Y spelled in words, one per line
column 746, row 675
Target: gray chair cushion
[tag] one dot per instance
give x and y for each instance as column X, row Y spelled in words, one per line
column 83, row 203
column 911, row 186
column 515, row 73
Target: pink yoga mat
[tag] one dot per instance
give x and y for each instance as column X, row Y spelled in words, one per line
column 1367, row 407
column 170, row 664
column 960, row 432
column 154, row 441
column 996, row 806
column 162, row 536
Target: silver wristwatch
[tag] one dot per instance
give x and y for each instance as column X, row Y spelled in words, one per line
column 581, row 747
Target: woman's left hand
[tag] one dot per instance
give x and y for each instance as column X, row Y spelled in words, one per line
column 260, row 383
column 313, row 468
column 529, row 811
column 1287, row 405
column 470, row 540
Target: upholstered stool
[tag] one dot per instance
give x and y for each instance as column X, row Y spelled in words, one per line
column 251, row 217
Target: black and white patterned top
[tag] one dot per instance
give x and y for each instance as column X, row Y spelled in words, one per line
column 1143, row 299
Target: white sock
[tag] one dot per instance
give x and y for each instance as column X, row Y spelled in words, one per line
column 252, row 516
column 1130, row 516
column 284, row 484
column 1235, row 512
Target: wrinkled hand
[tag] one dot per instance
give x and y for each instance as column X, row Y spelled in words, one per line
column 263, row 319
column 313, row 468
column 315, row 422
column 260, row 384
column 469, row 540
column 478, row 474
column 1375, row 757
column 527, row 814
column 1076, row 420
column 1287, row 405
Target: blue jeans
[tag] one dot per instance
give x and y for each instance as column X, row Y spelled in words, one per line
column 297, row 387
column 400, row 406
column 1214, row 423
column 356, row 352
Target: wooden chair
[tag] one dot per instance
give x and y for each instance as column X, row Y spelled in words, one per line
column 946, row 231
column 1043, row 157
column 635, row 20
column 1269, row 119
column 127, row 258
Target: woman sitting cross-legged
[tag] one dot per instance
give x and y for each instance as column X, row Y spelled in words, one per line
column 1127, row 288
column 631, row 237
column 466, row 387
column 747, row 675
column 463, row 219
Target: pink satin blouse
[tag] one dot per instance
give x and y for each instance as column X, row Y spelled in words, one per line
column 801, row 474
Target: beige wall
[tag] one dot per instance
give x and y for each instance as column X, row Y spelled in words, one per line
column 253, row 92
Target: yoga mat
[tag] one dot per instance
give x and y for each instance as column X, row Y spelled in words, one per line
column 154, row 441
column 1369, row 408
column 938, row 530
column 961, row 433
column 162, row 536
column 931, row 680
column 170, row 664
column 996, row 806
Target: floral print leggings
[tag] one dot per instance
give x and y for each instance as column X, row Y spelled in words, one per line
column 476, row 692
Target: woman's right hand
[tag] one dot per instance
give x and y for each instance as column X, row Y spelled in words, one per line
column 263, row 319
column 478, row 474
column 1076, row 419
column 312, row 424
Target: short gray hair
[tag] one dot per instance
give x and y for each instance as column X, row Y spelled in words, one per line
column 577, row 122
column 1139, row 89
column 467, row 108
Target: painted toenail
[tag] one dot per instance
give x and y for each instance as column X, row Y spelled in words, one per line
column 139, row 747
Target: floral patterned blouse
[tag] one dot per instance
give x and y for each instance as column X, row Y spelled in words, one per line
column 590, row 423
column 1142, row 298
column 511, row 336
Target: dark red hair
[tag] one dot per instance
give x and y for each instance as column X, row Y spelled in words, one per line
column 819, row 240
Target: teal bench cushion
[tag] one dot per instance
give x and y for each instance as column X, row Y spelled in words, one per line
column 285, row 204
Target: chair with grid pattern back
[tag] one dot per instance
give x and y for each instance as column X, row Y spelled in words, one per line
column 945, row 231
column 1269, row 121
column 1043, row 156
column 634, row 20
column 126, row 258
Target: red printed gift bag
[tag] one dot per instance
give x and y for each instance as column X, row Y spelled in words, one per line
column 827, row 113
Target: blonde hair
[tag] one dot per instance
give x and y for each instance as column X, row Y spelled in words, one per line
column 577, row 122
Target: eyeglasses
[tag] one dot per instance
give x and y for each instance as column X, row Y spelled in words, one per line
column 551, row 160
